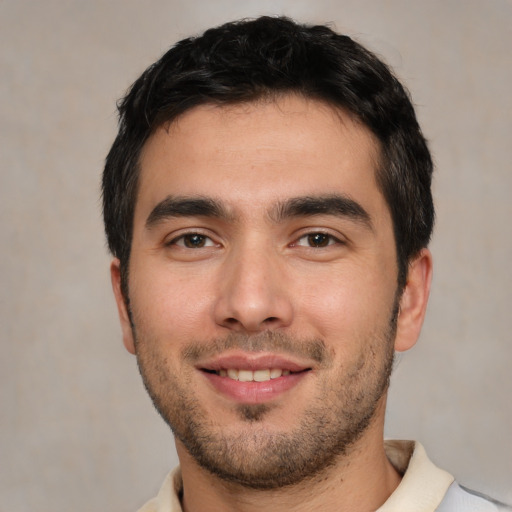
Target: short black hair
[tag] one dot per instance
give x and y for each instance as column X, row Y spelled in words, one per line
column 246, row 60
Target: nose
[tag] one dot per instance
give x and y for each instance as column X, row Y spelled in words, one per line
column 253, row 293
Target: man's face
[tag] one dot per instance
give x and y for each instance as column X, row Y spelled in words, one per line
column 263, row 286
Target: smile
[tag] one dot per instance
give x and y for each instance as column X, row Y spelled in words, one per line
column 253, row 376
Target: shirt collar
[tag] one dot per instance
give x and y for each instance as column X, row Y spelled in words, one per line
column 423, row 484
column 422, row 488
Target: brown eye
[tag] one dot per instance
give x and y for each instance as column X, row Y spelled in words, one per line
column 319, row 240
column 193, row 241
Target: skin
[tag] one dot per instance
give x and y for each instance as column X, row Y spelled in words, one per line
column 254, row 277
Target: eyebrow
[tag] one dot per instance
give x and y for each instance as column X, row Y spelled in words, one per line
column 173, row 206
column 338, row 205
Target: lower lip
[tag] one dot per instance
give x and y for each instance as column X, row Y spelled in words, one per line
column 254, row 392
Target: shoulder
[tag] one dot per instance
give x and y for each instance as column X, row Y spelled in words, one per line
column 460, row 499
column 150, row 506
column 168, row 498
column 427, row 488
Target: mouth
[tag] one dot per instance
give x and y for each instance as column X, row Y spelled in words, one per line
column 254, row 378
column 261, row 375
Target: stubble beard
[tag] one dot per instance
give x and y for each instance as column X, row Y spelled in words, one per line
column 258, row 457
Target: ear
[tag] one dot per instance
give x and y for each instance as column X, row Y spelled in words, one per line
column 413, row 303
column 124, row 317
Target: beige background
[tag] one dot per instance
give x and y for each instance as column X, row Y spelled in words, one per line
column 77, row 431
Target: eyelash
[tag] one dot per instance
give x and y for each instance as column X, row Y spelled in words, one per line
column 318, row 244
column 182, row 238
column 325, row 240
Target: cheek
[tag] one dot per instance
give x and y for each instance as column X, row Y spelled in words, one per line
column 348, row 304
column 169, row 304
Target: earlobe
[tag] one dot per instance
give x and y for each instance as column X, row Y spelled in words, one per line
column 124, row 317
column 413, row 303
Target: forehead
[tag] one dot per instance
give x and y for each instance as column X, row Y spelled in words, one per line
column 256, row 153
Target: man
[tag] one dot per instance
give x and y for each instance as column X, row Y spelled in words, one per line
column 267, row 201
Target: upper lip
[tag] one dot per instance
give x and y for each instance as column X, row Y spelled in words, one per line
column 253, row 361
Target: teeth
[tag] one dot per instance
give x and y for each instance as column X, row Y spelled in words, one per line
column 245, row 375
column 253, row 376
column 275, row 373
column 261, row 375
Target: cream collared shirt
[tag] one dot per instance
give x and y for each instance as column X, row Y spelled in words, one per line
column 424, row 487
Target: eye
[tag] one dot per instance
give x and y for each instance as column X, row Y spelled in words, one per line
column 193, row 241
column 317, row 240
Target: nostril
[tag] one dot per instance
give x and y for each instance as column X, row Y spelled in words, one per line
column 234, row 323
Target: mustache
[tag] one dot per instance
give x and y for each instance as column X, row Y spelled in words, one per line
column 266, row 341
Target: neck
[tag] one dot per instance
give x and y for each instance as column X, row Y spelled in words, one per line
column 360, row 481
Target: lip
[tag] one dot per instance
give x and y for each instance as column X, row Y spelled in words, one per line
column 253, row 361
column 253, row 392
